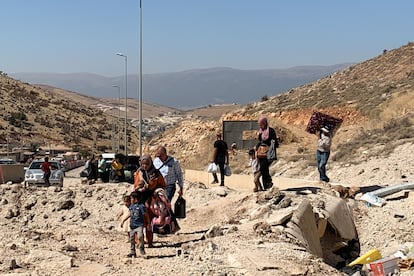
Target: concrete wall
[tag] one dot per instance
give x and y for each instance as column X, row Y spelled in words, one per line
column 241, row 132
column 14, row 173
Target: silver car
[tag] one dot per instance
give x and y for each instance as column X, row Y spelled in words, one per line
column 34, row 174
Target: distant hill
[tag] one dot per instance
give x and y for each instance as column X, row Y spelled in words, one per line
column 191, row 88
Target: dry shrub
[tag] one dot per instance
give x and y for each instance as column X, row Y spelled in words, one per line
column 298, row 157
column 390, row 135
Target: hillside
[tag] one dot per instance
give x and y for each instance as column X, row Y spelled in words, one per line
column 374, row 98
column 47, row 116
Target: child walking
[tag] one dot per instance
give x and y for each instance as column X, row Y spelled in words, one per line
column 136, row 213
column 123, row 215
column 255, row 165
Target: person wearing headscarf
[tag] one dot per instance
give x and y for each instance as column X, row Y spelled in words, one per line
column 265, row 135
column 146, row 180
column 323, row 151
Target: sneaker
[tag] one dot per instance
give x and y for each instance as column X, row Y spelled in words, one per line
column 142, row 251
column 132, row 255
column 214, row 182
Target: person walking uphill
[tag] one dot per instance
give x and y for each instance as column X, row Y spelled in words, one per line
column 220, row 157
column 265, row 136
column 323, row 151
column 170, row 169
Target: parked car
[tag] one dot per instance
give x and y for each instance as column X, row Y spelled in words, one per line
column 7, row 162
column 34, row 173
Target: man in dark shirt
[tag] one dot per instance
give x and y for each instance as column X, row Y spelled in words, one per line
column 220, row 157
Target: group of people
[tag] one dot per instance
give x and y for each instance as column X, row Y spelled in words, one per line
column 96, row 169
column 260, row 163
column 148, row 207
column 99, row 169
column 149, row 203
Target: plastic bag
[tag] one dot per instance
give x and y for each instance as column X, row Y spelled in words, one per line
column 373, row 199
column 271, row 153
column 212, row 168
column 227, row 170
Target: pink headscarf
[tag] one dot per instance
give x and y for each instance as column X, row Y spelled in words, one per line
column 264, row 132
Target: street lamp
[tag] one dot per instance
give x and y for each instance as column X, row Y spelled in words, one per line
column 119, row 113
column 140, row 80
column 126, row 98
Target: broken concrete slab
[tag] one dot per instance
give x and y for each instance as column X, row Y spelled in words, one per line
column 280, row 216
column 341, row 218
column 321, row 226
column 303, row 227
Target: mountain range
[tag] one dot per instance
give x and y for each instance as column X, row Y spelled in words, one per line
column 191, row 88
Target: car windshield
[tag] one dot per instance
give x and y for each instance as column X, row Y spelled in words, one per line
column 38, row 164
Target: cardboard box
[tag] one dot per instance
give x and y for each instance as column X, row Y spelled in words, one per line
column 384, row 266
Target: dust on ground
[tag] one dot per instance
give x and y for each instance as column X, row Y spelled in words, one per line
column 73, row 230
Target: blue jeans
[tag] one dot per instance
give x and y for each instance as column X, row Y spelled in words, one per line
column 322, row 159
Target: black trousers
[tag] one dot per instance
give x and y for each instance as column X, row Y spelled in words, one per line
column 221, row 167
column 264, row 169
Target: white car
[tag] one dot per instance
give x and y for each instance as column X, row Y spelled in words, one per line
column 34, row 174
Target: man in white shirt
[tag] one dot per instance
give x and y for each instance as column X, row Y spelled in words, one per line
column 170, row 169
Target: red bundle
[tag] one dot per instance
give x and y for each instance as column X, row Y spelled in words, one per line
column 319, row 120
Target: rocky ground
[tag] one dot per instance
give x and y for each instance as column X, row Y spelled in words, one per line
column 73, row 230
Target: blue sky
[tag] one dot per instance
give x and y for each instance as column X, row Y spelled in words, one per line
column 67, row 36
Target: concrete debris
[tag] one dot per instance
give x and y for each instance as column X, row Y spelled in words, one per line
column 303, row 227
